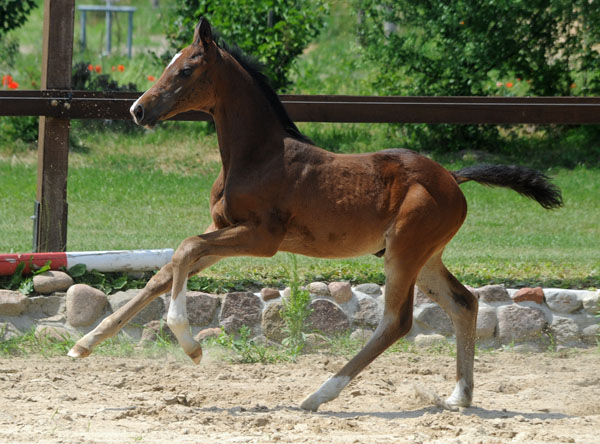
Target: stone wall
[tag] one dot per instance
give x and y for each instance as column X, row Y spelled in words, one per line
column 531, row 318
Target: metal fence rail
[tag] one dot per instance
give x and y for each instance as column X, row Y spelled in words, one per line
column 320, row 108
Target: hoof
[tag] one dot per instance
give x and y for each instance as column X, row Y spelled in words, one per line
column 454, row 404
column 460, row 397
column 79, row 352
column 311, row 403
column 196, row 355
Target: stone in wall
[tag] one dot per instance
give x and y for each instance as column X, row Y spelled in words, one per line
column 206, row 333
column 420, row 297
column 372, row 290
column 361, row 334
column 591, row 302
column 562, row 301
column 152, row 330
column 529, row 294
column 427, row 341
column 51, row 281
column 486, row 322
column 518, row 323
column 201, row 307
column 268, row 294
column 55, row 332
column 590, row 334
column 45, row 306
column 85, row 305
column 369, row 313
column 493, row 293
column 273, row 325
column 341, row 292
column 240, row 309
column 565, row 331
column 8, row 331
column 154, row 310
column 433, row 317
column 12, row 303
column 327, row 317
column 319, row 289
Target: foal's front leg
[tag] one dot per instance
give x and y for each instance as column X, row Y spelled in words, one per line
column 160, row 283
column 177, row 320
column 240, row 240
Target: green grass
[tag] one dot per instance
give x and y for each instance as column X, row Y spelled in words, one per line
column 505, row 239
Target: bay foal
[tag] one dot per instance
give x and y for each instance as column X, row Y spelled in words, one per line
column 278, row 192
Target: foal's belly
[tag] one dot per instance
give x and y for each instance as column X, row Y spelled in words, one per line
column 341, row 240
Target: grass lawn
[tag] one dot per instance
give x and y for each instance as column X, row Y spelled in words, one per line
column 142, row 191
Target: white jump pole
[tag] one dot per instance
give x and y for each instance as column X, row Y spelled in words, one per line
column 103, row 261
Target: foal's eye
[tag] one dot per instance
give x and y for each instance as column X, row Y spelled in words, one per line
column 186, row 72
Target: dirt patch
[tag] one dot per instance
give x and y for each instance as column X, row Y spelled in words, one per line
column 538, row 398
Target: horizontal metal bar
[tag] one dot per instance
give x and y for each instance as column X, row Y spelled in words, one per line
column 100, row 8
column 303, row 108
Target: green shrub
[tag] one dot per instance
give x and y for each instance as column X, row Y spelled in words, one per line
column 13, row 13
column 273, row 31
column 296, row 309
column 463, row 47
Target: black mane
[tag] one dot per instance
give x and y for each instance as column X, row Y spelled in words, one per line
column 255, row 69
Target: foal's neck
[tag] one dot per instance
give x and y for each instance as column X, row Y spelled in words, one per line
column 248, row 129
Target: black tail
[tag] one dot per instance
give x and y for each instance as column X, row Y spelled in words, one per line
column 528, row 182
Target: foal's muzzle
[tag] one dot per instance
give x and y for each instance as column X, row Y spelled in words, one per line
column 138, row 113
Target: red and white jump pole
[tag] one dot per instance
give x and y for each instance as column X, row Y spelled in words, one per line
column 104, row 261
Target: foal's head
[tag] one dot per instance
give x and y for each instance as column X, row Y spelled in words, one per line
column 185, row 84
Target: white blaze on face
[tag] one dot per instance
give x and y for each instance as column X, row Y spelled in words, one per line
column 174, row 58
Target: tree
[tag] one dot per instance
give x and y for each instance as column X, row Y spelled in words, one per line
column 273, row 31
column 13, row 13
column 462, row 47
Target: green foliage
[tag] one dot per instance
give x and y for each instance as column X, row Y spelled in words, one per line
column 247, row 351
column 107, row 282
column 273, row 31
column 296, row 309
column 9, row 48
column 463, row 47
column 19, row 130
column 35, row 343
column 13, row 13
column 20, row 281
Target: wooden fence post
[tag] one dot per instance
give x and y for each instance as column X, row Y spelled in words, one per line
column 50, row 226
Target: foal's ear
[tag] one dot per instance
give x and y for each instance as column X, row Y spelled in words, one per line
column 203, row 33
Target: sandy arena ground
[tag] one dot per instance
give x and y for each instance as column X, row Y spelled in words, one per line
column 535, row 398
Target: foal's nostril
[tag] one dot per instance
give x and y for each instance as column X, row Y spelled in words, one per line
column 139, row 113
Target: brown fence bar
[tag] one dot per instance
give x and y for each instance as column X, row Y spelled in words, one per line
column 302, row 108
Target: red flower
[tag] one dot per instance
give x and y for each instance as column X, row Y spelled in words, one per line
column 91, row 67
column 151, row 78
column 509, row 84
column 13, row 85
column 98, row 69
column 6, row 79
column 121, row 68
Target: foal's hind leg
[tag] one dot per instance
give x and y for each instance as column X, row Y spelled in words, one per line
column 459, row 303
column 401, row 269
